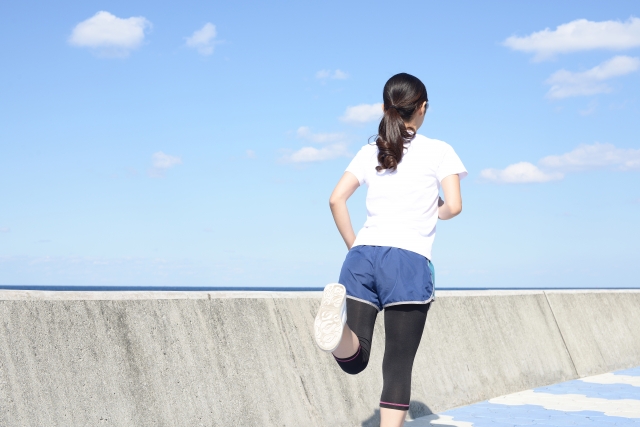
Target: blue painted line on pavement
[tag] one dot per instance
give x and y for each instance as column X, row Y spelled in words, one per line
column 601, row 391
column 486, row 414
column 633, row 372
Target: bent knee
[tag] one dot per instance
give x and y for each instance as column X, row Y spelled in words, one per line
column 354, row 364
column 353, row 369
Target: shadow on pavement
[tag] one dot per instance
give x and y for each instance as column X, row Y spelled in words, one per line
column 416, row 410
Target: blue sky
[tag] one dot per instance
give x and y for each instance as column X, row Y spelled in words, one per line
column 146, row 143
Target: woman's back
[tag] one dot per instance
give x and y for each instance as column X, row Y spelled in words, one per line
column 402, row 206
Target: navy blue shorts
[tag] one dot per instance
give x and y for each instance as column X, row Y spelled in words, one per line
column 384, row 276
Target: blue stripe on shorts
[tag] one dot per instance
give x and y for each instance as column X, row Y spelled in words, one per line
column 384, row 276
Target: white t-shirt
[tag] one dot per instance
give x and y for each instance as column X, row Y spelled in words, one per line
column 402, row 206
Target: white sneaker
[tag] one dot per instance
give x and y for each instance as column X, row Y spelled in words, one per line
column 331, row 317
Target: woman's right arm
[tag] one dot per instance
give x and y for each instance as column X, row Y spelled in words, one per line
column 338, row 203
column 452, row 204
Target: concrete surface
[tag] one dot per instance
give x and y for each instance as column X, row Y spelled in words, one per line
column 601, row 329
column 248, row 359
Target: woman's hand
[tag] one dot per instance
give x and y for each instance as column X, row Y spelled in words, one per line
column 452, row 203
column 338, row 203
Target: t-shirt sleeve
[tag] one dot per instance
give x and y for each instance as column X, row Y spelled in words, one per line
column 450, row 165
column 358, row 165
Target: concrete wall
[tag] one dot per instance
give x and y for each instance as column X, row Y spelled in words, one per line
column 601, row 329
column 248, row 359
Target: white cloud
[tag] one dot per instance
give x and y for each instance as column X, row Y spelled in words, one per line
column 578, row 35
column 312, row 154
column 519, row 173
column 4, row 229
column 251, row 154
column 335, row 145
column 161, row 163
column 595, row 156
column 362, row 113
column 109, row 35
column 328, row 74
column 203, row 39
column 339, row 75
column 552, row 168
column 566, row 83
column 321, row 138
column 165, row 161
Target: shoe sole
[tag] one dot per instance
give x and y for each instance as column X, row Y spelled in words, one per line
column 328, row 324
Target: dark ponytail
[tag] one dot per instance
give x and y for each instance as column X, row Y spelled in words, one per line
column 403, row 94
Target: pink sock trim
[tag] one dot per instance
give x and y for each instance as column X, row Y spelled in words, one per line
column 394, row 404
column 349, row 359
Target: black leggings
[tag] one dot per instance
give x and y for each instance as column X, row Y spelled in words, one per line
column 403, row 325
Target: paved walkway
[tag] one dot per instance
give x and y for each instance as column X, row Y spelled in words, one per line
column 600, row 401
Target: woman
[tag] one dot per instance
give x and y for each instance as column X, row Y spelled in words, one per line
column 388, row 265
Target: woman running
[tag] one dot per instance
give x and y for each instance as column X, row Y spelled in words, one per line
column 388, row 265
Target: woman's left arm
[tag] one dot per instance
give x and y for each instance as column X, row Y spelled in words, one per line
column 338, row 203
column 452, row 204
